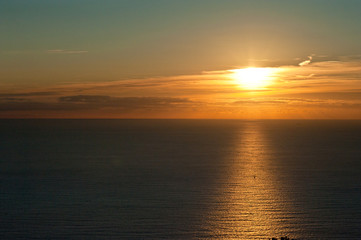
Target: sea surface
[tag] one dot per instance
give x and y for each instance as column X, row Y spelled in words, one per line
column 180, row 179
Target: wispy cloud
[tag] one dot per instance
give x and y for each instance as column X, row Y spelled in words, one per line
column 124, row 102
column 62, row 51
column 306, row 62
column 28, row 94
column 328, row 85
column 50, row 51
column 301, row 102
column 94, row 102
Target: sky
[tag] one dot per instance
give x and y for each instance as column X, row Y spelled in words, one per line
column 180, row 59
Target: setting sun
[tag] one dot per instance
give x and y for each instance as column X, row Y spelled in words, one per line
column 253, row 78
column 232, row 119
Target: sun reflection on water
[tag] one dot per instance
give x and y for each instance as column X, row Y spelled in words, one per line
column 252, row 205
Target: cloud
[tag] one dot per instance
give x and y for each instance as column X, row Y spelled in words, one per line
column 298, row 102
column 89, row 102
column 322, row 84
column 306, row 62
column 85, row 99
column 124, row 102
column 320, row 76
column 50, row 51
column 62, row 51
column 12, row 99
column 28, row 94
column 341, row 95
column 30, row 106
column 276, row 101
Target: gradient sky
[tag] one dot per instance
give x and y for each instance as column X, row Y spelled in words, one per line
column 172, row 59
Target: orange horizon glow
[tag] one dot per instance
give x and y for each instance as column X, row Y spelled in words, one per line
column 321, row 90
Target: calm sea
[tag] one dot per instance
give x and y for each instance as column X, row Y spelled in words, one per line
column 180, row 179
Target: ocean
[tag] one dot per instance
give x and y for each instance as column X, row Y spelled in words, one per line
column 180, row 179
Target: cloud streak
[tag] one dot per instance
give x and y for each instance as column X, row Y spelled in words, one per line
column 328, row 85
column 28, row 94
column 62, row 51
column 86, row 102
column 123, row 102
column 306, row 62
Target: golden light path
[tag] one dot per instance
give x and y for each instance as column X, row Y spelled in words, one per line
column 253, row 203
column 253, row 78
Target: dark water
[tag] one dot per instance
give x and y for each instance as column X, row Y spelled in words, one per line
column 180, row 179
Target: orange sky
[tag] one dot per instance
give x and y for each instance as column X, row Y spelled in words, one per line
column 320, row 89
column 180, row 59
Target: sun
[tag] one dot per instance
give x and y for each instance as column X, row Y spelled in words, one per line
column 253, row 78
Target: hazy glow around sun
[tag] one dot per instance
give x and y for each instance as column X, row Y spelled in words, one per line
column 252, row 77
